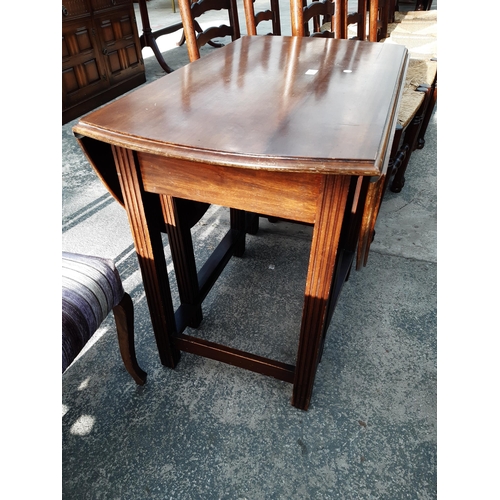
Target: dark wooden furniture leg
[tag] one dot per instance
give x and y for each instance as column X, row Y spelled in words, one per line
column 238, row 221
column 427, row 117
column 181, row 248
column 124, row 318
column 148, row 38
column 252, row 223
column 394, row 159
column 350, row 233
column 142, row 210
column 324, row 247
column 367, row 232
column 374, row 196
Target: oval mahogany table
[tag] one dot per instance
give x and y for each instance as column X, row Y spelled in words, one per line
column 289, row 127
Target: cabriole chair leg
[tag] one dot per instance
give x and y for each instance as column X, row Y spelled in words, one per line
column 124, row 318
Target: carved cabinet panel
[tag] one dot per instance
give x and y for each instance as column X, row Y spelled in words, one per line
column 101, row 54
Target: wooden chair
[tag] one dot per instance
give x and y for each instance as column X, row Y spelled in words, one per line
column 91, row 289
column 253, row 19
column 196, row 37
column 417, row 31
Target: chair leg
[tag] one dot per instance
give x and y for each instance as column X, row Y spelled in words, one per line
column 148, row 38
column 124, row 318
column 394, row 159
column 427, row 117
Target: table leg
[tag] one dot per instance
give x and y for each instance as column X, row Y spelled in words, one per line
column 181, row 248
column 348, row 241
column 324, row 247
column 238, row 221
column 143, row 210
column 369, row 219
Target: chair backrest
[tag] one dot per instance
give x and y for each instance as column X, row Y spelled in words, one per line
column 381, row 14
column 302, row 13
column 369, row 21
column 358, row 18
column 330, row 18
column 196, row 37
column 272, row 14
column 366, row 21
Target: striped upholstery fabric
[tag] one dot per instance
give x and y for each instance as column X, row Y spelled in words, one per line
column 91, row 288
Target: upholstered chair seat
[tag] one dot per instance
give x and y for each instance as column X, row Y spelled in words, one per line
column 91, row 289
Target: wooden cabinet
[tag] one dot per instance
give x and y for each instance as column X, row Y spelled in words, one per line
column 101, row 54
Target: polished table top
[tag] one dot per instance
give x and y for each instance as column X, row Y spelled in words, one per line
column 289, row 127
column 264, row 102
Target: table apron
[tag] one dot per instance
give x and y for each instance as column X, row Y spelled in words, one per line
column 290, row 195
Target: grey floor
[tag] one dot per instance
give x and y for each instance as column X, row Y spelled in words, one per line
column 211, row 431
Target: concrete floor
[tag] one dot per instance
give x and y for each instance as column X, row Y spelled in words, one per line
column 211, row 431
